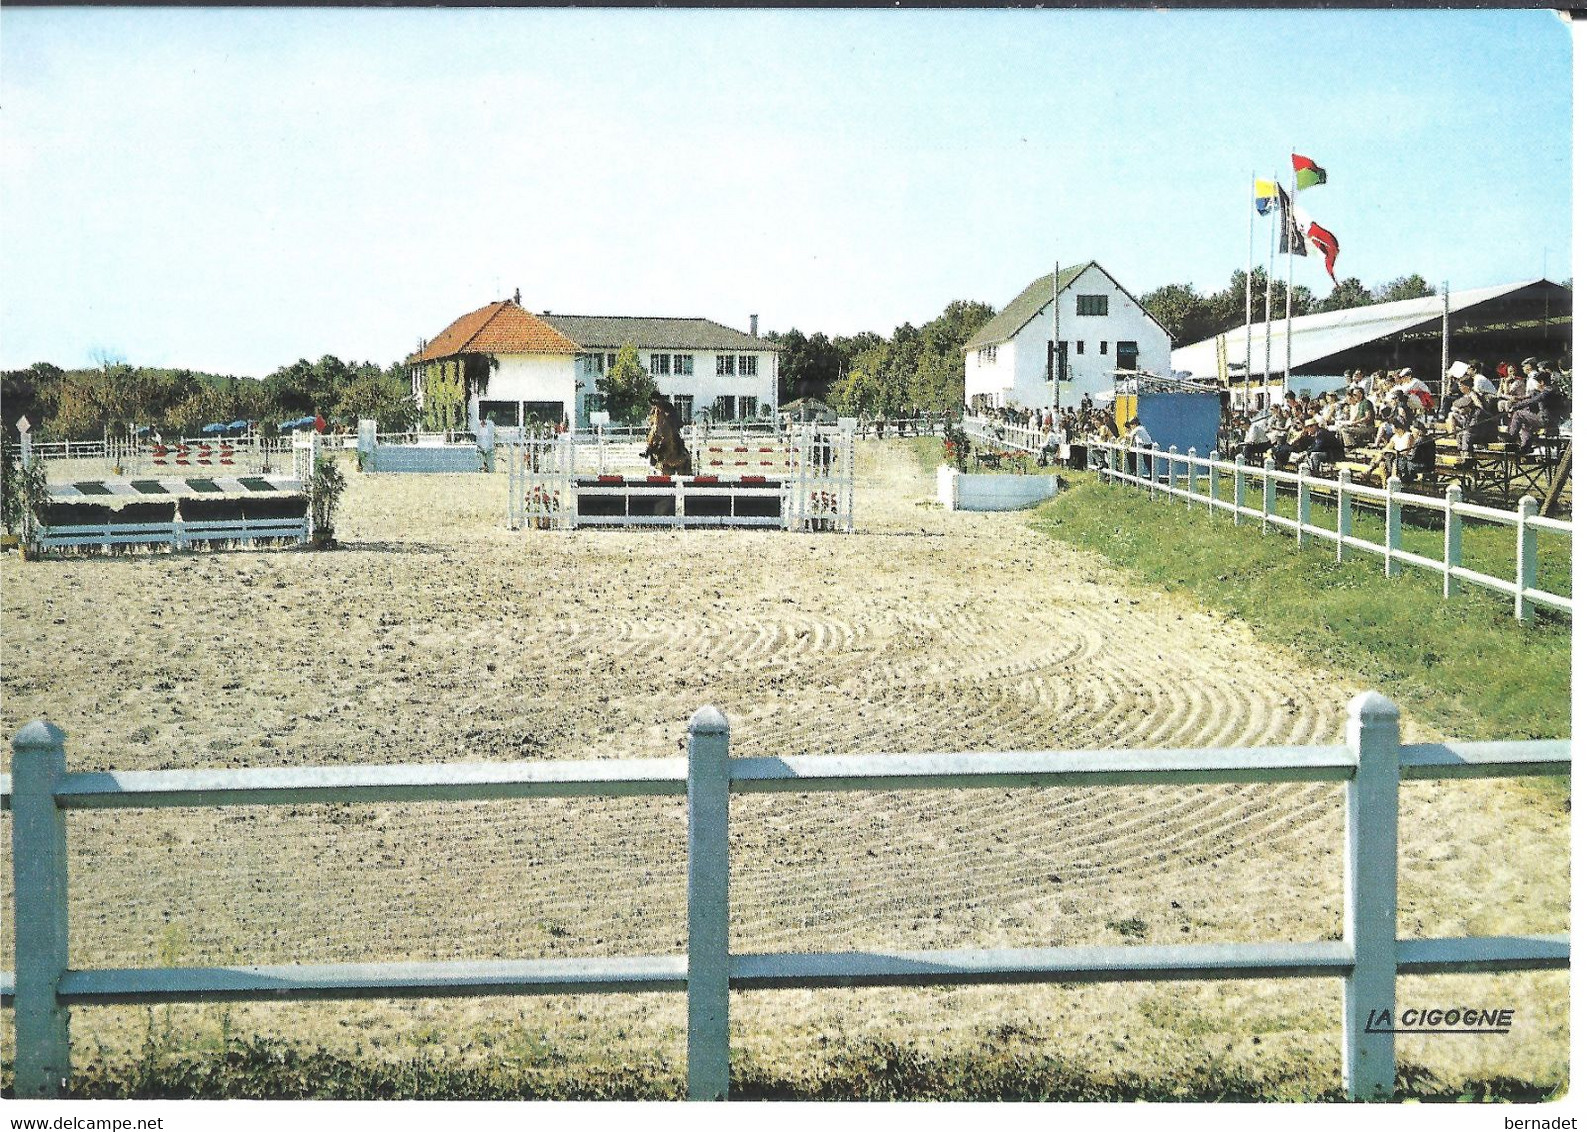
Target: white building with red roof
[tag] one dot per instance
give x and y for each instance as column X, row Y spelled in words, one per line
column 507, row 365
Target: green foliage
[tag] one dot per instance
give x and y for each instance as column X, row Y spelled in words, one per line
column 12, row 508
column 627, row 387
column 1349, row 293
column 325, row 492
column 1405, row 287
column 917, row 370
column 1465, row 663
column 84, row 404
column 383, row 397
column 1189, row 316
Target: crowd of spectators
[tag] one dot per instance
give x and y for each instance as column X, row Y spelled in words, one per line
column 1391, row 420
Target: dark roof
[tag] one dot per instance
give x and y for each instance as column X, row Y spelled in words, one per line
column 612, row 332
column 496, row 328
column 1012, row 319
column 1027, row 305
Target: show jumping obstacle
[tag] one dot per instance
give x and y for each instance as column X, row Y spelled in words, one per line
column 798, row 479
column 180, row 512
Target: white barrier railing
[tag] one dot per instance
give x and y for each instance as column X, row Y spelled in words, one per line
column 1367, row 957
column 1007, row 435
column 1177, row 476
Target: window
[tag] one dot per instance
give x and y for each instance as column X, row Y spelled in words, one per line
column 746, row 407
column 543, row 412
column 685, row 406
column 748, row 365
column 1091, row 305
column 1126, row 355
column 987, row 355
column 1102, row 347
column 611, row 360
column 592, row 363
column 722, row 409
column 660, row 364
column 502, row 414
column 724, row 365
column 1080, row 347
column 683, row 365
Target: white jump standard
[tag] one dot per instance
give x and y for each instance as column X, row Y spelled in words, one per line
column 803, row 481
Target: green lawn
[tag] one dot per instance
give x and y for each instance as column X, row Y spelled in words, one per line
column 1464, row 664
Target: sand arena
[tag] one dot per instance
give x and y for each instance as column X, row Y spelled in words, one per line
column 437, row 635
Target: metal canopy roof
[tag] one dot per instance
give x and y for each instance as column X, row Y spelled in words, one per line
column 1318, row 337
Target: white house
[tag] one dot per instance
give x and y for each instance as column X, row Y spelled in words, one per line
column 515, row 367
column 1101, row 329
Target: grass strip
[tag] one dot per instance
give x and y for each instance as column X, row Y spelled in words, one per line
column 268, row 1069
column 1465, row 662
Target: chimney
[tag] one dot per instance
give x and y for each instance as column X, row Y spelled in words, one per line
column 754, row 326
column 517, row 297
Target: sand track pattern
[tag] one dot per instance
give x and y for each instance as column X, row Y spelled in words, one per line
column 438, row 635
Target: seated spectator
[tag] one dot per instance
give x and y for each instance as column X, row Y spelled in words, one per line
column 1315, row 447
column 1474, row 417
column 1254, row 441
column 1538, row 412
column 1394, row 458
column 1361, row 421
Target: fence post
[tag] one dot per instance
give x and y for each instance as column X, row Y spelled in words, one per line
column 38, row 864
column 1173, row 470
column 1269, row 491
column 708, row 908
column 1451, row 539
column 1190, row 475
column 1239, row 487
column 1372, row 809
column 1525, row 556
column 1302, row 508
column 1212, row 483
column 1391, row 527
column 1345, row 517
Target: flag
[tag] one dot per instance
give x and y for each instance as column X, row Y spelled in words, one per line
column 1325, row 242
column 1291, row 235
column 1307, row 172
column 1266, row 197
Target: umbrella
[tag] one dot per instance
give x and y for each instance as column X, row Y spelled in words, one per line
column 213, row 428
column 238, row 426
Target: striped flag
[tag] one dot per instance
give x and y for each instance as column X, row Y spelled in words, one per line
column 1266, row 196
column 1291, row 232
column 1307, row 172
column 1325, row 242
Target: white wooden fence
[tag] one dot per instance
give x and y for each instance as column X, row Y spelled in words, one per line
column 1371, row 765
column 1177, row 476
column 1008, row 435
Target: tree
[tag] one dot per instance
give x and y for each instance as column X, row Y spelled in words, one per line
column 384, row 397
column 1405, row 287
column 1349, row 293
column 627, row 387
column 1178, row 307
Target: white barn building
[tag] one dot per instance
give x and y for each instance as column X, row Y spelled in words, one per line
column 1101, row 329
column 518, row 368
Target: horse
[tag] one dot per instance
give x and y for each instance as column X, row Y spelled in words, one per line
column 664, row 443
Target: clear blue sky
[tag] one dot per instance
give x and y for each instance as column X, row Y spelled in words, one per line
column 231, row 190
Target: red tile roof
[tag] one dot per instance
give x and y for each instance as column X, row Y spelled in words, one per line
column 500, row 328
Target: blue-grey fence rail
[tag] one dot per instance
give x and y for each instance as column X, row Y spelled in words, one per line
column 1177, row 476
column 1371, row 764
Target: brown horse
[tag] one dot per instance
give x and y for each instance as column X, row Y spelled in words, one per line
column 664, row 443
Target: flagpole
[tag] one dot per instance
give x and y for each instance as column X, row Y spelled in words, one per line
column 1289, row 288
column 1250, row 246
column 1267, row 330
